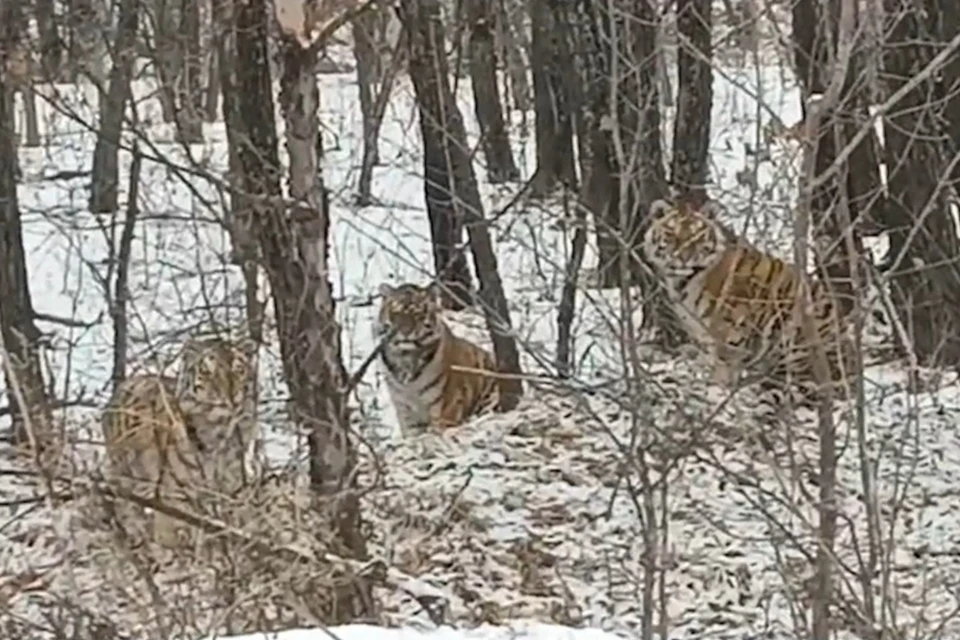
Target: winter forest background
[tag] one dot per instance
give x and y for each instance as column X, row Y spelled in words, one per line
column 169, row 166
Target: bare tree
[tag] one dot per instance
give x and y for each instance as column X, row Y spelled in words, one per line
column 245, row 252
column 691, row 127
column 293, row 242
column 445, row 161
column 626, row 158
column 29, row 405
column 105, row 173
column 189, row 87
column 51, row 43
column 511, row 35
column 550, row 57
column 448, row 174
column 501, row 166
column 375, row 81
column 924, row 249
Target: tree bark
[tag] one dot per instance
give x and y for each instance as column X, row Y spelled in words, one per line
column 21, row 337
column 105, row 172
column 691, row 128
column 486, row 94
column 189, row 89
column 924, row 249
column 51, row 44
column 293, row 243
column 448, row 170
column 554, row 112
column 443, row 157
column 516, row 47
column 239, row 216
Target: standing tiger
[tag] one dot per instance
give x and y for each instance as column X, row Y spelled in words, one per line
column 167, row 437
column 425, row 364
column 748, row 308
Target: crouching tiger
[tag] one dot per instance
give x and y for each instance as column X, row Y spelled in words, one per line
column 750, row 310
column 435, row 378
column 174, row 439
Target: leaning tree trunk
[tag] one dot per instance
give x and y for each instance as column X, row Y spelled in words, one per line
column 551, row 55
column 105, row 174
column 294, row 244
column 924, row 250
column 691, row 127
column 486, row 94
column 27, row 398
column 449, row 172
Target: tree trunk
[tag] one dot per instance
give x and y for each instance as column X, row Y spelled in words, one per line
column 516, row 47
column 27, row 398
column 554, row 113
column 949, row 22
column 189, row 88
column 21, row 72
column 51, row 44
column 294, row 247
column 620, row 209
column 923, row 239
column 444, row 192
column 449, row 174
column 244, row 250
column 105, row 172
column 369, row 73
column 486, row 95
column 166, row 56
column 691, row 127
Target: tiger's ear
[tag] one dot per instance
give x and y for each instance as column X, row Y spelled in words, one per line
column 658, row 208
column 385, row 289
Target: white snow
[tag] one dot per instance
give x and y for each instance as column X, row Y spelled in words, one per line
column 530, row 516
column 483, row 632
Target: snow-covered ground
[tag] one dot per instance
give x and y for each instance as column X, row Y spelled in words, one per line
column 533, row 515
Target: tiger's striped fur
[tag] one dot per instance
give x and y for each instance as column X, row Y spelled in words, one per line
column 422, row 360
column 170, row 437
column 150, row 447
column 746, row 307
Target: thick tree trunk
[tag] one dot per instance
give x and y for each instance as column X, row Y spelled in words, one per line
column 294, row 245
column 443, row 173
column 449, row 171
column 105, row 178
column 554, row 111
column 27, row 398
column 486, row 94
column 691, row 128
column 924, row 249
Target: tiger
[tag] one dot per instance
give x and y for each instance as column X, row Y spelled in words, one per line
column 215, row 391
column 150, row 447
column 747, row 308
column 171, row 436
column 422, row 360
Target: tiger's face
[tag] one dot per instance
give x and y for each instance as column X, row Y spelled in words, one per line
column 681, row 239
column 410, row 315
column 216, row 371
